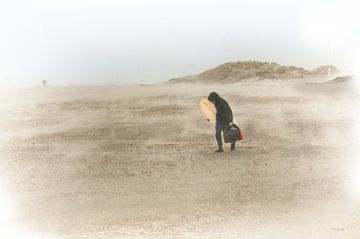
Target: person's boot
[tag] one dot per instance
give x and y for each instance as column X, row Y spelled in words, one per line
column 232, row 146
column 219, row 150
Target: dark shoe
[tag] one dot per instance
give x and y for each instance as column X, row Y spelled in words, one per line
column 232, row 146
column 219, row 151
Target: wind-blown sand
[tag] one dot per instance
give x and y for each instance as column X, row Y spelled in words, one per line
column 138, row 162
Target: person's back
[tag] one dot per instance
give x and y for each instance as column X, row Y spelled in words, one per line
column 224, row 112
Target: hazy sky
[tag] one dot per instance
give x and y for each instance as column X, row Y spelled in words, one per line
column 146, row 41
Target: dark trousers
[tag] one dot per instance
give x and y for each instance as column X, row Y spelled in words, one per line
column 218, row 130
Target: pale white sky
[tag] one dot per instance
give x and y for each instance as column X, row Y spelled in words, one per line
column 147, row 41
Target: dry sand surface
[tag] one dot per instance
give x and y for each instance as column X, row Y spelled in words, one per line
column 138, row 162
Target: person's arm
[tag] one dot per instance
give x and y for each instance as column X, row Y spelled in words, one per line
column 229, row 114
column 218, row 112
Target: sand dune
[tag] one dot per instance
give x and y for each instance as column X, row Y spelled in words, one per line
column 349, row 79
column 137, row 162
column 254, row 70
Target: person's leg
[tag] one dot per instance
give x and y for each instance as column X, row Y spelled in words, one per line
column 218, row 129
column 232, row 146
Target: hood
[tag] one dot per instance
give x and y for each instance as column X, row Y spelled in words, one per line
column 213, row 96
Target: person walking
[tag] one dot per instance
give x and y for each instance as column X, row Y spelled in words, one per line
column 224, row 118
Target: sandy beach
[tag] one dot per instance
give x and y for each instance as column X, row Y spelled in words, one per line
column 138, row 162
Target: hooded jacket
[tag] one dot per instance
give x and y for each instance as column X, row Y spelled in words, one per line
column 224, row 113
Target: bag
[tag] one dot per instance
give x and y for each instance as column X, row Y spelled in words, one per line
column 232, row 134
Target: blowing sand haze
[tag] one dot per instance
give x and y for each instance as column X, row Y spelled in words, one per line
column 102, row 135
column 138, row 162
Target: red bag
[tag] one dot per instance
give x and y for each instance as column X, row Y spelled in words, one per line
column 241, row 135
